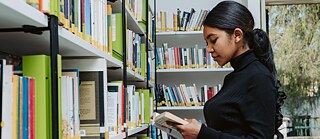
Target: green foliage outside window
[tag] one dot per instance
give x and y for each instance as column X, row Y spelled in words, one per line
column 294, row 32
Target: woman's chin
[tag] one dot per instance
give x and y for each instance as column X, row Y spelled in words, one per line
column 221, row 64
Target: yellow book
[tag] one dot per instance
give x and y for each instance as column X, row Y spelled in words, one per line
column 15, row 107
column 72, row 28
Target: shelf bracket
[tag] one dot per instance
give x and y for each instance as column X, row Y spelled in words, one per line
column 26, row 29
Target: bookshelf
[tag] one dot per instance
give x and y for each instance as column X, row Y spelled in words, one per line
column 181, row 38
column 15, row 13
column 188, row 39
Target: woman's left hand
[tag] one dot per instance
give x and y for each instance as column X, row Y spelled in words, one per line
column 191, row 130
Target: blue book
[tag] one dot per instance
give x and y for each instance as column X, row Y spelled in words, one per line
column 173, row 88
column 25, row 107
column 172, row 95
column 153, row 132
column 87, row 7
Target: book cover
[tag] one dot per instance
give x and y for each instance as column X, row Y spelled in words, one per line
column 160, row 121
column 117, row 36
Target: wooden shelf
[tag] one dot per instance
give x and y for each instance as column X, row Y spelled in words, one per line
column 181, row 108
column 195, row 70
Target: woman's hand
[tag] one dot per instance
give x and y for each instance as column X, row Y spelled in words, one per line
column 189, row 131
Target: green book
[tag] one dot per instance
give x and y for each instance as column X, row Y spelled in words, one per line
column 54, row 7
column 59, row 69
column 117, row 39
column 38, row 67
column 144, row 13
column 143, row 60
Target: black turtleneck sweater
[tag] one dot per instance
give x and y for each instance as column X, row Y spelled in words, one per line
column 245, row 106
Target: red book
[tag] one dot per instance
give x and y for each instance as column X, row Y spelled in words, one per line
column 21, row 102
column 210, row 94
column 82, row 16
column 31, row 110
column 123, row 108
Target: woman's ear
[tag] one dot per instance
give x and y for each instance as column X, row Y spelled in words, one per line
column 238, row 34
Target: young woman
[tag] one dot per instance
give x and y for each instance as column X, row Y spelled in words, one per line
column 248, row 104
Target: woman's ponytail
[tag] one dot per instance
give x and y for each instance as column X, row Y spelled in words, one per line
column 262, row 49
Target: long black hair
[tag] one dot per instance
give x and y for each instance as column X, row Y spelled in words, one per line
column 229, row 15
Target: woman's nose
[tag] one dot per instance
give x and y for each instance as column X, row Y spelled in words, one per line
column 210, row 50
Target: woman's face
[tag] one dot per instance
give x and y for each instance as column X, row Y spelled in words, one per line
column 221, row 45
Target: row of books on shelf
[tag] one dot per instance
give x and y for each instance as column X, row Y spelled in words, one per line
column 88, row 105
column 94, row 21
column 175, row 57
column 180, row 21
column 182, row 95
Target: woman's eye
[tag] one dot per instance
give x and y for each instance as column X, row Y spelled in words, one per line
column 213, row 41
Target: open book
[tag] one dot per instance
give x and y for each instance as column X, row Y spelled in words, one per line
column 160, row 122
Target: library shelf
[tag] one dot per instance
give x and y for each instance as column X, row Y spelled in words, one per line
column 113, row 62
column 142, row 84
column 171, row 33
column 118, row 136
column 14, row 14
column 137, row 129
column 180, row 108
column 116, row 74
column 195, row 70
column 181, row 39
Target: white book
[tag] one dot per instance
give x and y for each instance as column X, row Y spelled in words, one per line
column 118, row 87
column 205, row 93
column 79, row 15
column 130, row 90
column 65, row 107
column 180, row 94
column 142, row 107
column 70, row 92
column 200, row 56
column 92, row 3
column 137, row 101
column 113, row 109
column 185, row 92
column 46, row 6
column 134, row 110
column 7, row 100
